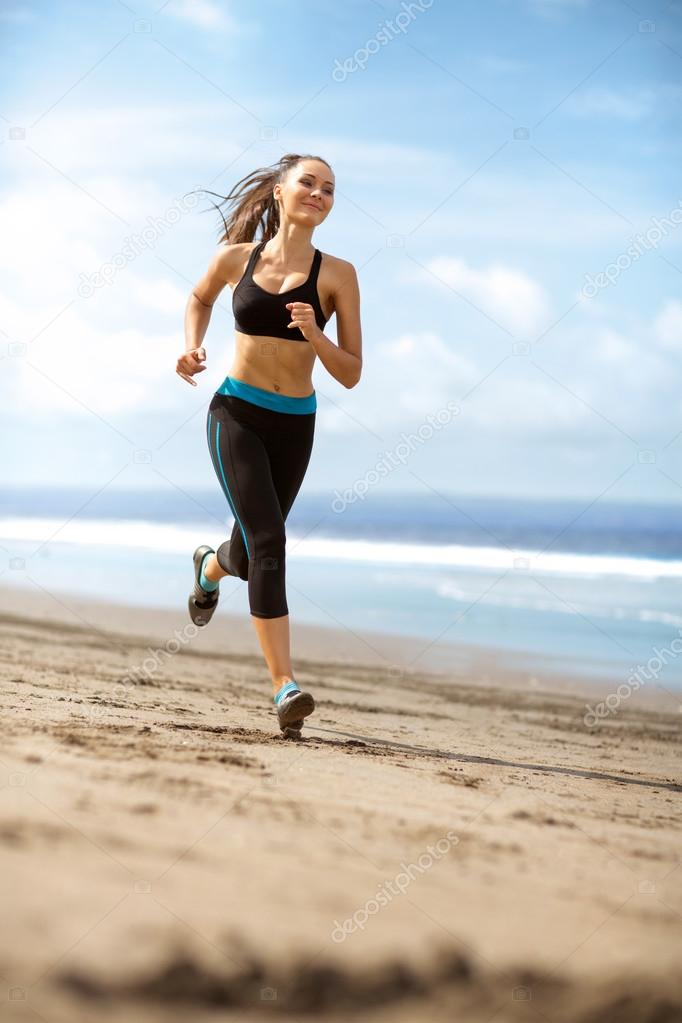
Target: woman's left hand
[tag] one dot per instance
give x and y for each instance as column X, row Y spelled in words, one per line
column 303, row 317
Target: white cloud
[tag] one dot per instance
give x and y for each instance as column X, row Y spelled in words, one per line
column 619, row 372
column 59, row 243
column 95, row 145
column 120, row 153
column 161, row 295
column 423, row 371
column 80, row 365
column 410, row 376
column 668, row 326
column 40, row 220
column 517, row 400
column 613, row 349
column 509, row 296
column 202, row 13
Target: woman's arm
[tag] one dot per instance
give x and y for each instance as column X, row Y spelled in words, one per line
column 344, row 361
column 198, row 312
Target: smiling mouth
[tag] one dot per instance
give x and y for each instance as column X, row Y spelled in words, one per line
column 311, row 206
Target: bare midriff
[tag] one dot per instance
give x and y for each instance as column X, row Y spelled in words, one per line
column 284, row 367
column 276, row 364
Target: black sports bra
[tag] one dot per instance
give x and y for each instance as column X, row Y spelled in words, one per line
column 260, row 312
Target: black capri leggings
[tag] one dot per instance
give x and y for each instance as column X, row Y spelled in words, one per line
column 260, row 445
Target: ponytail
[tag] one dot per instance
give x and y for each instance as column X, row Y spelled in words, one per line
column 254, row 203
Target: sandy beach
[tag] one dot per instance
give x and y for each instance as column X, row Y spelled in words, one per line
column 448, row 840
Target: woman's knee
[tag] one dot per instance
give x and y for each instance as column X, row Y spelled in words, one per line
column 232, row 561
column 270, row 548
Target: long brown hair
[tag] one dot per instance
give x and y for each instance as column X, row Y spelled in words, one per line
column 254, row 203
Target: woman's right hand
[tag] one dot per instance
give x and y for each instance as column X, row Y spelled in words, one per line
column 190, row 363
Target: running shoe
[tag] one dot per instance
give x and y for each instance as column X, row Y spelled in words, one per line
column 292, row 707
column 202, row 603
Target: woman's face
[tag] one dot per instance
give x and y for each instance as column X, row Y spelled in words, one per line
column 307, row 192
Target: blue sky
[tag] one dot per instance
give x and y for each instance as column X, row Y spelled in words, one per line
column 491, row 159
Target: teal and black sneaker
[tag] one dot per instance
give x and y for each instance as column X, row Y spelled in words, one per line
column 292, row 707
column 202, row 602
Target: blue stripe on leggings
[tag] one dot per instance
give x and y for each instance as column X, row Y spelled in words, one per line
column 226, row 488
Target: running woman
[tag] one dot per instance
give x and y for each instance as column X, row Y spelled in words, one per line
column 261, row 420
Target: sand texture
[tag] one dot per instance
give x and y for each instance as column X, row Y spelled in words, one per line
column 452, row 845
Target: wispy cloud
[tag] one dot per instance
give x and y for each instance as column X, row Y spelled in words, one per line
column 607, row 103
column 668, row 326
column 202, row 14
column 504, row 293
column 426, row 182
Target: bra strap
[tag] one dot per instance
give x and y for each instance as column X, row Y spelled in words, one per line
column 315, row 269
column 255, row 252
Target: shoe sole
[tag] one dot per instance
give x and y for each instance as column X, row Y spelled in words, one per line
column 298, row 707
column 200, row 616
column 288, row 732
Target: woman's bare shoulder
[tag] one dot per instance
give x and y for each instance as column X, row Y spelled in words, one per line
column 335, row 262
column 230, row 259
column 337, row 271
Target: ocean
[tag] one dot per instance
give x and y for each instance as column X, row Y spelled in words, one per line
column 581, row 586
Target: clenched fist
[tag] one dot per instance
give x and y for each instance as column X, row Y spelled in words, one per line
column 190, row 363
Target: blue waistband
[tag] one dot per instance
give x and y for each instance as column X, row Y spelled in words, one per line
column 268, row 399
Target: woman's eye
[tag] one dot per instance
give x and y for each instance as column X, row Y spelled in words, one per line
column 308, row 183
